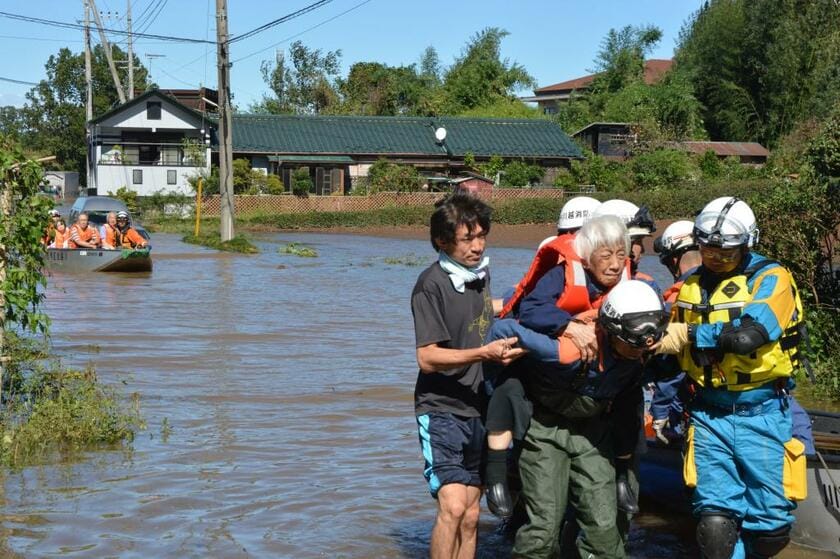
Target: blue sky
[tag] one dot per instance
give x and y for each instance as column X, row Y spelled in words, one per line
column 554, row 40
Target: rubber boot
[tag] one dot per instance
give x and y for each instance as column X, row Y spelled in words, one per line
column 626, row 499
column 497, row 493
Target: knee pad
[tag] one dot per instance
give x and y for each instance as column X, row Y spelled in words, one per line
column 717, row 534
column 761, row 545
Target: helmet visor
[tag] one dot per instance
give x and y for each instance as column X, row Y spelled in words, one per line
column 716, row 230
column 640, row 329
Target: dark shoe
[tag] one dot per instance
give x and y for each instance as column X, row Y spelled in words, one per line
column 627, row 500
column 498, row 500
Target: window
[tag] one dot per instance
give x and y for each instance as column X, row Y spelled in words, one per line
column 137, row 176
column 171, row 177
column 153, row 110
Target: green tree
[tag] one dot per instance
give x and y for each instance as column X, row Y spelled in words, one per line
column 480, row 76
column 430, row 68
column 11, row 122
column 22, row 256
column 372, row 88
column 621, row 59
column 54, row 115
column 760, row 66
column 305, row 85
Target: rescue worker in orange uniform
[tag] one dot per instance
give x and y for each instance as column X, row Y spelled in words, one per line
column 126, row 235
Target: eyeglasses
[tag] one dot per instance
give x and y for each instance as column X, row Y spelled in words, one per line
column 724, row 255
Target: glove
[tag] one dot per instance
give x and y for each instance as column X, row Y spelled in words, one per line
column 675, row 338
column 659, row 425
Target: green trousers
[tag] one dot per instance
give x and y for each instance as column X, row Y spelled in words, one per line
column 568, row 461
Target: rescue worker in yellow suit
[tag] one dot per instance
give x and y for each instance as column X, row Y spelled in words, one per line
column 736, row 326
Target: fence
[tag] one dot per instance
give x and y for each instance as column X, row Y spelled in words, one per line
column 244, row 204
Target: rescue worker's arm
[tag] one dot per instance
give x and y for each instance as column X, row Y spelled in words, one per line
column 134, row 238
column 538, row 310
column 762, row 320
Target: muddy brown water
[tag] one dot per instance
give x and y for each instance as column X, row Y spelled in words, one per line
column 278, row 396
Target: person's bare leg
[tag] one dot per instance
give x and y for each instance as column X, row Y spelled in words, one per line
column 469, row 524
column 446, row 535
column 499, row 440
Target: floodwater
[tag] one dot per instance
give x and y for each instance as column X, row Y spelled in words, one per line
column 278, row 396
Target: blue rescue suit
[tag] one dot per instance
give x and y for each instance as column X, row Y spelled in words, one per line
column 741, row 457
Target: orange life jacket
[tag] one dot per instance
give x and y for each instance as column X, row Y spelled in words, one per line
column 110, row 237
column 548, row 256
column 670, row 295
column 88, row 235
column 575, row 297
column 130, row 238
column 61, row 239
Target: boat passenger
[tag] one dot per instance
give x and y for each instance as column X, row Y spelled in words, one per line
column 82, row 234
column 108, row 231
column 567, row 452
column 62, row 235
column 126, row 236
column 453, row 311
column 49, row 232
column 736, row 327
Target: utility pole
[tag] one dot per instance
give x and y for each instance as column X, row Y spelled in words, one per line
column 106, row 46
column 225, row 152
column 130, row 51
column 89, row 181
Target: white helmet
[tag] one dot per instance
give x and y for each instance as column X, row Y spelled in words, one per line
column 675, row 240
column 726, row 222
column 639, row 222
column 576, row 212
column 634, row 313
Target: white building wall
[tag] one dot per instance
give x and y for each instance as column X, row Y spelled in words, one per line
column 113, row 177
column 171, row 117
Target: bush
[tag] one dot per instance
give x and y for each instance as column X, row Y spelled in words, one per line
column 128, row 197
column 519, row 174
column 661, row 168
column 384, row 176
column 302, row 182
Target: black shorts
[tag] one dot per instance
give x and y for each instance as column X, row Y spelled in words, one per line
column 453, row 449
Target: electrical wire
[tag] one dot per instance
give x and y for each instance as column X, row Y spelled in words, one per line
column 307, row 30
column 21, row 82
column 67, row 25
column 278, row 21
column 153, row 16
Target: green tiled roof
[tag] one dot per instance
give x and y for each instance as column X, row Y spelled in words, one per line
column 357, row 135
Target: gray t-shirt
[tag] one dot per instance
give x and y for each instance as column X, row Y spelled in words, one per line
column 452, row 320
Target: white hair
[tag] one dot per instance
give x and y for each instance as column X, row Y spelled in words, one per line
column 605, row 231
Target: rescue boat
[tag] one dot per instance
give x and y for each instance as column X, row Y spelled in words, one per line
column 99, row 260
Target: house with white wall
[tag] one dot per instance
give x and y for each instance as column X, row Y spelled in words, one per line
column 149, row 144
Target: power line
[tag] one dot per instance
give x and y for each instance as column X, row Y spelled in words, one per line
column 307, row 30
column 153, row 15
column 278, row 21
column 21, row 82
column 67, row 25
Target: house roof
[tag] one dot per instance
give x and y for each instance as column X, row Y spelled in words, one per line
column 408, row 136
column 141, row 99
column 600, row 125
column 750, row 149
column 654, row 70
